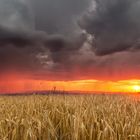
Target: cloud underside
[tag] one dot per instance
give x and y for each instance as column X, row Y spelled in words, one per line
column 65, row 40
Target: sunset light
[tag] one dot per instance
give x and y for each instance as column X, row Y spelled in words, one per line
column 136, row 88
column 87, row 86
column 69, row 69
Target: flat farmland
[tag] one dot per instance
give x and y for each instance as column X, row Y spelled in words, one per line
column 70, row 117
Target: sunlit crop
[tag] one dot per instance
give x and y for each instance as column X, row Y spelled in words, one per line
column 63, row 117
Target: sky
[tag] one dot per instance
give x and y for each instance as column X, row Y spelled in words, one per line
column 69, row 40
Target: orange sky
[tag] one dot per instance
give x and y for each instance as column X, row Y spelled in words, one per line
column 17, row 84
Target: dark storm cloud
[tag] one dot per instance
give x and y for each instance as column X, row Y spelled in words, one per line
column 32, row 34
column 43, row 38
column 10, row 37
column 17, row 37
column 58, row 16
column 59, row 46
column 16, row 15
column 115, row 25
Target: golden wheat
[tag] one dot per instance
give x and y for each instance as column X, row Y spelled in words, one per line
column 93, row 117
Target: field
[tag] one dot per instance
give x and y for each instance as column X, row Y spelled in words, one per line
column 63, row 117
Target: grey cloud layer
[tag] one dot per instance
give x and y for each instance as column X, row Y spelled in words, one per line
column 32, row 34
column 41, row 36
column 15, row 15
column 115, row 25
column 58, row 16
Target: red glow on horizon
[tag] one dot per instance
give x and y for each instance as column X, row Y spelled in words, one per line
column 16, row 83
column 25, row 85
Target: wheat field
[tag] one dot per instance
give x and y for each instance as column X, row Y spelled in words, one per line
column 63, row 117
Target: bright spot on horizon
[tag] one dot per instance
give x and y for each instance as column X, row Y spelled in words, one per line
column 136, row 88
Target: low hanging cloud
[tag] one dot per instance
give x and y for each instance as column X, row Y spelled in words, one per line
column 65, row 40
column 27, row 40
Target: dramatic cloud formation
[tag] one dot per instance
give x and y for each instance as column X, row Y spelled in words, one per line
column 115, row 25
column 66, row 40
column 24, row 43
